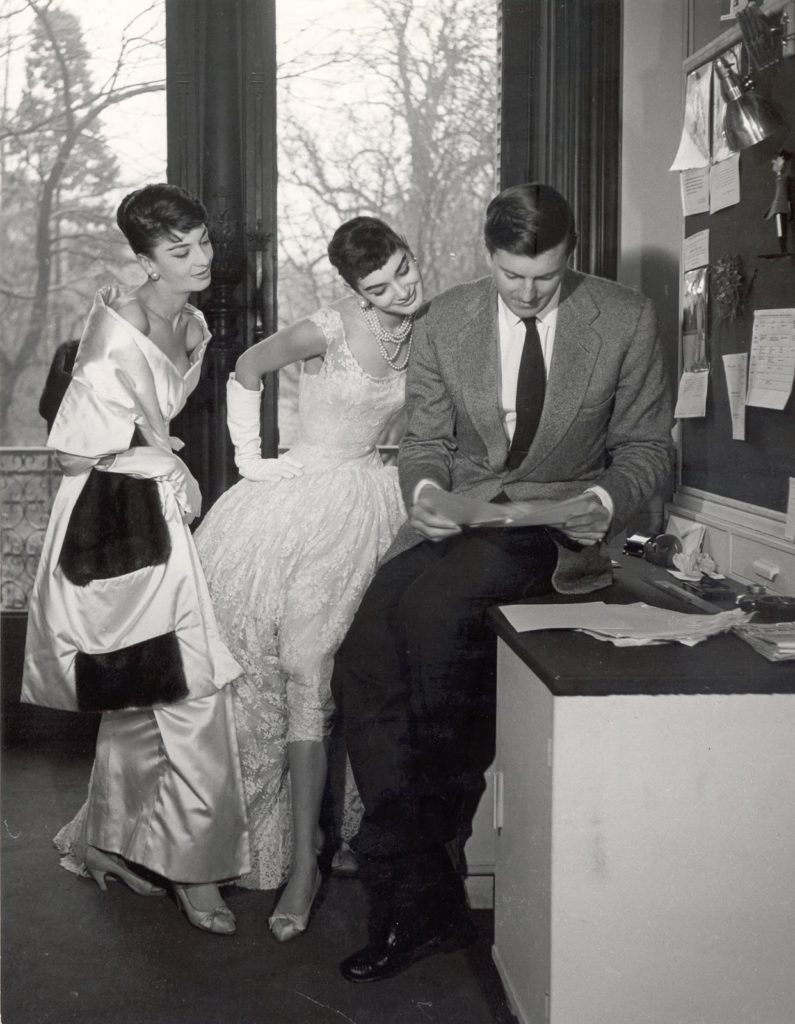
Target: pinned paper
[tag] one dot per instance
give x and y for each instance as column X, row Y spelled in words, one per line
column 697, row 250
column 691, row 401
column 694, row 145
column 772, row 367
column 695, row 190
column 724, row 184
column 736, row 366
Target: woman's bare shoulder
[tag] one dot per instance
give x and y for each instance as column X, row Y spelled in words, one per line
column 130, row 308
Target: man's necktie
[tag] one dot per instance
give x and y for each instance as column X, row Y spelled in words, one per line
column 530, row 387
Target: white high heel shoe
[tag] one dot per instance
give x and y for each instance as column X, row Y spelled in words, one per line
column 286, row 926
column 100, row 864
column 220, row 920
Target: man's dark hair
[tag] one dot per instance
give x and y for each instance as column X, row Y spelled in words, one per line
column 529, row 219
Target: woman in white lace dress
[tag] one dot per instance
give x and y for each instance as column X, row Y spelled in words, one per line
column 289, row 550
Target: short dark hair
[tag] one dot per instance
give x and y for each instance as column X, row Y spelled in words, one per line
column 362, row 245
column 529, row 219
column 158, row 211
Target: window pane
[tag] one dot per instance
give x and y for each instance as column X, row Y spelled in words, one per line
column 388, row 108
column 84, row 122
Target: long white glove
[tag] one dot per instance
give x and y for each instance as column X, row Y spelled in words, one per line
column 242, row 418
column 149, row 463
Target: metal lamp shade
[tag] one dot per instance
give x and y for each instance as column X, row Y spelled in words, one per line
column 749, row 118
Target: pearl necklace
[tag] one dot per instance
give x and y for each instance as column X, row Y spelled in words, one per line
column 384, row 337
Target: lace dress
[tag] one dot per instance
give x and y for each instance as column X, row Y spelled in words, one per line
column 287, row 564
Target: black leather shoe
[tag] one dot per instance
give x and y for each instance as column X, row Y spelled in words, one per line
column 403, row 947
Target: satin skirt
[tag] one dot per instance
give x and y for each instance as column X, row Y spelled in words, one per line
column 166, row 790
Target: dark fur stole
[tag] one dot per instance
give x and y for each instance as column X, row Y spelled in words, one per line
column 117, row 524
column 141, row 675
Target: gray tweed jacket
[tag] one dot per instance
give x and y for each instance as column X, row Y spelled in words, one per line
column 606, row 419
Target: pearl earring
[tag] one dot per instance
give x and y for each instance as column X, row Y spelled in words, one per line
column 365, row 304
column 154, row 277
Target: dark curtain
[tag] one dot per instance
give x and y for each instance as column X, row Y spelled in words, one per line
column 221, row 100
column 561, row 113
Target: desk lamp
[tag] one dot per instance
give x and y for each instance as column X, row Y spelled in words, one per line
column 749, row 118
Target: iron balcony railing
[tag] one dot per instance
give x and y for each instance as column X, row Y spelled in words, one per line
column 29, row 479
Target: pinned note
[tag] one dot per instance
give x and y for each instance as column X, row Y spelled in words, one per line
column 694, row 184
column 697, row 250
column 772, row 366
column 736, row 366
column 691, row 400
column 724, row 183
column 694, row 144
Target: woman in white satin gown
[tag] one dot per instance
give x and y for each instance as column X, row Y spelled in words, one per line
column 289, row 551
column 120, row 619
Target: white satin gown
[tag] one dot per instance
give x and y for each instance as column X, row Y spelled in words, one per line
column 165, row 790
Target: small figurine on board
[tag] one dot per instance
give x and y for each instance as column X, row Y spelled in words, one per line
column 780, row 208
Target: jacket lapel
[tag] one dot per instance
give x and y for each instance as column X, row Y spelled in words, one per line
column 479, row 355
column 574, row 355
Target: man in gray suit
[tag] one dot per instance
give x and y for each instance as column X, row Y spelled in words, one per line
column 534, row 383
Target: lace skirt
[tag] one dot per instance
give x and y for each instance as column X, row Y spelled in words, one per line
column 287, row 564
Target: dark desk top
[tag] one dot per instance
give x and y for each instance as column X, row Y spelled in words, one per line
column 573, row 664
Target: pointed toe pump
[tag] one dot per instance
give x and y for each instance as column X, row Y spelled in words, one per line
column 219, row 920
column 284, row 926
column 101, row 865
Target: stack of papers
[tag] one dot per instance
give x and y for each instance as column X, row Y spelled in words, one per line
column 774, row 640
column 625, row 625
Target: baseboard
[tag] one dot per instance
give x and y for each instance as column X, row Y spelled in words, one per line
column 513, row 1001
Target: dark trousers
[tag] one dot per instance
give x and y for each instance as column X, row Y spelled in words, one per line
column 415, row 679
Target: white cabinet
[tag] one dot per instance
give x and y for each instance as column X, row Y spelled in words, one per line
column 646, row 856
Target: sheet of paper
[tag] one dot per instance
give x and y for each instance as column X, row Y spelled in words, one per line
column 789, row 525
column 470, row 512
column 464, row 511
column 694, row 144
column 697, row 250
column 736, row 367
column 772, row 366
column 546, row 513
column 724, row 183
column 694, row 185
column 691, row 401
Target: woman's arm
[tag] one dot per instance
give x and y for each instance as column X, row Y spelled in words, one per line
column 302, row 340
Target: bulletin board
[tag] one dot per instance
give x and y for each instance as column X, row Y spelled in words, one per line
column 755, row 470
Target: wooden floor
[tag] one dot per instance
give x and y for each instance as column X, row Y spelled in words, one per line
column 71, row 953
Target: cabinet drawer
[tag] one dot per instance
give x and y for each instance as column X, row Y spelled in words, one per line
column 756, row 562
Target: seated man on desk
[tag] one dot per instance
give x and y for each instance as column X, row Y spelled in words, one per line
column 536, row 382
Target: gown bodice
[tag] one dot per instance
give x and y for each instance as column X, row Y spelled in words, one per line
column 170, row 386
column 122, row 380
column 343, row 408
